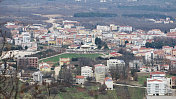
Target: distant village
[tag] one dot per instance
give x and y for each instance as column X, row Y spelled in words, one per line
column 125, row 54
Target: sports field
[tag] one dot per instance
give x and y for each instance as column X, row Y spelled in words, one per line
column 70, row 55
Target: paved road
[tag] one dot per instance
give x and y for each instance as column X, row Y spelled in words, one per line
column 52, row 56
column 129, row 85
column 161, row 97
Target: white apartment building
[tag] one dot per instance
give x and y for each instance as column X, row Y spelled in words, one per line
column 158, row 84
column 125, row 28
column 86, row 71
column 100, row 71
column 102, row 0
column 115, row 64
column 103, row 28
column 26, row 37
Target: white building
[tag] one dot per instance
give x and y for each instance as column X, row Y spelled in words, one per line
column 37, row 77
column 149, row 56
column 158, row 84
column 86, row 71
column 135, row 64
column 125, row 28
column 100, row 71
column 109, row 83
column 80, row 79
column 115, row 64
column 102, row 0
column 26, row 37
column 173, row 30
column 103, row 28
column 77, row 0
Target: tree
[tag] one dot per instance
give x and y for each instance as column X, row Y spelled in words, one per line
column 100, row 43
column 8, row 84
column 126, row 42
column 147, row 45
column 66, row 75
column 26, row 47
column 106, row 47
column 103, row 88
column 159, row 42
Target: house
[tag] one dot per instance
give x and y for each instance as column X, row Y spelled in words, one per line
column 80, row 79
column 174, row 52
column 145, row 69
column 167, row 50
column 109, row 83
column 64, row 61
column 164, row 67
column 44, row 67
column 37, row 77
column 173, row 82
column 100, row 71
column 114, row 54
column 86, row 71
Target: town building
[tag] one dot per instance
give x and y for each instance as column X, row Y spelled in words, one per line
column 86, row 71
column 158, row 84
column 27, row 62
column 37, row 77
column 64, row 61
column 100, row 71
column 125, row 28
column 109, row 83
column 80, row 79
column 115, row 64
column 44, row 67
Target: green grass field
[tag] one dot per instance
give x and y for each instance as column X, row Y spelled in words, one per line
column 118, row 93
column 70, row 55
column 142, row 79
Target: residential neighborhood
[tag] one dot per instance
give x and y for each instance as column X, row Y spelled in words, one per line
column 87, row 49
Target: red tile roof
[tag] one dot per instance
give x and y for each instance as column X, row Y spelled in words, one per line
column 80, row 77
column 155, row 80
column 99, row 65
column 173, row 77
column 108, row 79
column 156, row 73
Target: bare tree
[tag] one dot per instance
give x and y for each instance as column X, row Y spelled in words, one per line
column 8, row 79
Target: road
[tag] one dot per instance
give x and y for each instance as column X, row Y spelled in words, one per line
column 52, row 56
column 129, row 86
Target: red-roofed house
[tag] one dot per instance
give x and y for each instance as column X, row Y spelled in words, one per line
column 114, row 54
column 109, row 83
column 157, row 74
column 80, row 79
column 173, row 82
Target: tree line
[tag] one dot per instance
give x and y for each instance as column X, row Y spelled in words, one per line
column 94, row 14
column 159, row 42
column 101, row 43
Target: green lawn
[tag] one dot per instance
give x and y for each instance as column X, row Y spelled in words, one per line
column 70, row 55
column 136, row 93
column 118, row 93
column 142, row 79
